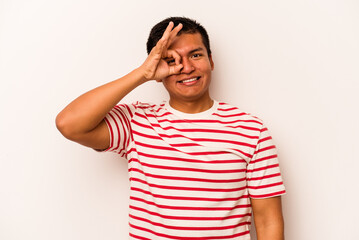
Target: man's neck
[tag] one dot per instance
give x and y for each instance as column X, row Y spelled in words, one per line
column 192, row 106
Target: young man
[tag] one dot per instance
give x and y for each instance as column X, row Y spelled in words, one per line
column 198, row 167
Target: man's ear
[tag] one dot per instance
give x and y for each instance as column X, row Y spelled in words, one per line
column 211, row 61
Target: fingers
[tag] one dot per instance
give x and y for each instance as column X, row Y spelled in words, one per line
column 162, row 61
column 177, row 66
column 166, row 35
column 162, row 43
column 176, row 69
column 169, row 28
column 170, row 33
column 167, row 38
column 173, row 54
column 173, row 34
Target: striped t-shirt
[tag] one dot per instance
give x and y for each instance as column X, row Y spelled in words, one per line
column 192, row 175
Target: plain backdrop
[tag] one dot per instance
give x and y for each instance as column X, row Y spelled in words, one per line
column 294, row 64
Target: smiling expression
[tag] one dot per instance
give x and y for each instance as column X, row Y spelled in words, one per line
column 192, row 84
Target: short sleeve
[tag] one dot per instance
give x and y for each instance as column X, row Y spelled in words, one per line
column 118, row 121
column 264, row 179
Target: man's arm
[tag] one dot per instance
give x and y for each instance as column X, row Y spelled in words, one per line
column 82, row 120
column 268, row 218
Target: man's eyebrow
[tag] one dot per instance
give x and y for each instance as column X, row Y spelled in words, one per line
column 197, row 50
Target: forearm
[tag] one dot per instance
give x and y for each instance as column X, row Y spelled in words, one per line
column 82, row 120
column 270, row 231
column 87, row 111
column 268, row 218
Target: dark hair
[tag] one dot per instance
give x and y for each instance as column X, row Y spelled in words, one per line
column 189, row 26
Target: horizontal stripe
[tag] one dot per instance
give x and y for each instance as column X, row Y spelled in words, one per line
column 268, row 194
column 189, row 169
column 147, row 116
column 263, row 168
column 264, row 177
column 227, row 109
column 188, row 198
column 176, row 150
column 264, row 149
column 185, row 218
column 187, row 178
column 187, row 188
column 189, row 160
column 266, row 186
column 189, row 238
column 229, row 115
column 161, row 136
column 264, row 139
column 190, row 208
column 196, row 130
column 155, row 116
column 138, row 237
column 189, row 228
column 263, row 159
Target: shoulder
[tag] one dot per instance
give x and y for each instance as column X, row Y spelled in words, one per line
column 148, row 107
column 139, row 106
column 146, row 110
column 231, row 112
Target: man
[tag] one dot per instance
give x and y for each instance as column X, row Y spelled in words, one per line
column 198, row 167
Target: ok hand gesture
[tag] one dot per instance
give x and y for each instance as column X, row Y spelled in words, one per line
column 162, row 62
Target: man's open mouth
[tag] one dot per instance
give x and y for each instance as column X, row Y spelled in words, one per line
column 189, row 80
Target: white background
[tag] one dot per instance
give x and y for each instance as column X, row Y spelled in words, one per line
column 292, row 63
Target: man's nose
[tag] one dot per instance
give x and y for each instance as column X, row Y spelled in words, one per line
column 188, row 66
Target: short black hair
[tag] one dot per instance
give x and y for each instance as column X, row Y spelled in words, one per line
column 189, row 26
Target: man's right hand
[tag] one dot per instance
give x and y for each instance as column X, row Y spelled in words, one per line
column 82, row 120
column 162, row 62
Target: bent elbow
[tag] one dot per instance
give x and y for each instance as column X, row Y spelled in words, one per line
column 64, row 126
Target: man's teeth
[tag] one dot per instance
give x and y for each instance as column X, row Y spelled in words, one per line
column 189, row 80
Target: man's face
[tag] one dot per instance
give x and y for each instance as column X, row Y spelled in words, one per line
column 192, row 84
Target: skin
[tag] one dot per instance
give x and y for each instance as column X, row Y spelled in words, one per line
column 175, row 58
column 82, row 120
column 268, row 218
column 191, row 97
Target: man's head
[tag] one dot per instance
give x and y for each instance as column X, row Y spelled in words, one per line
column 189, row 26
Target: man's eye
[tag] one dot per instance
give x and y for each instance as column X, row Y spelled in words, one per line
column 171, row 62
column 196, row 55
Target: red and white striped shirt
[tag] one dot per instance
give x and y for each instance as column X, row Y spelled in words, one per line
column 192, row 175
